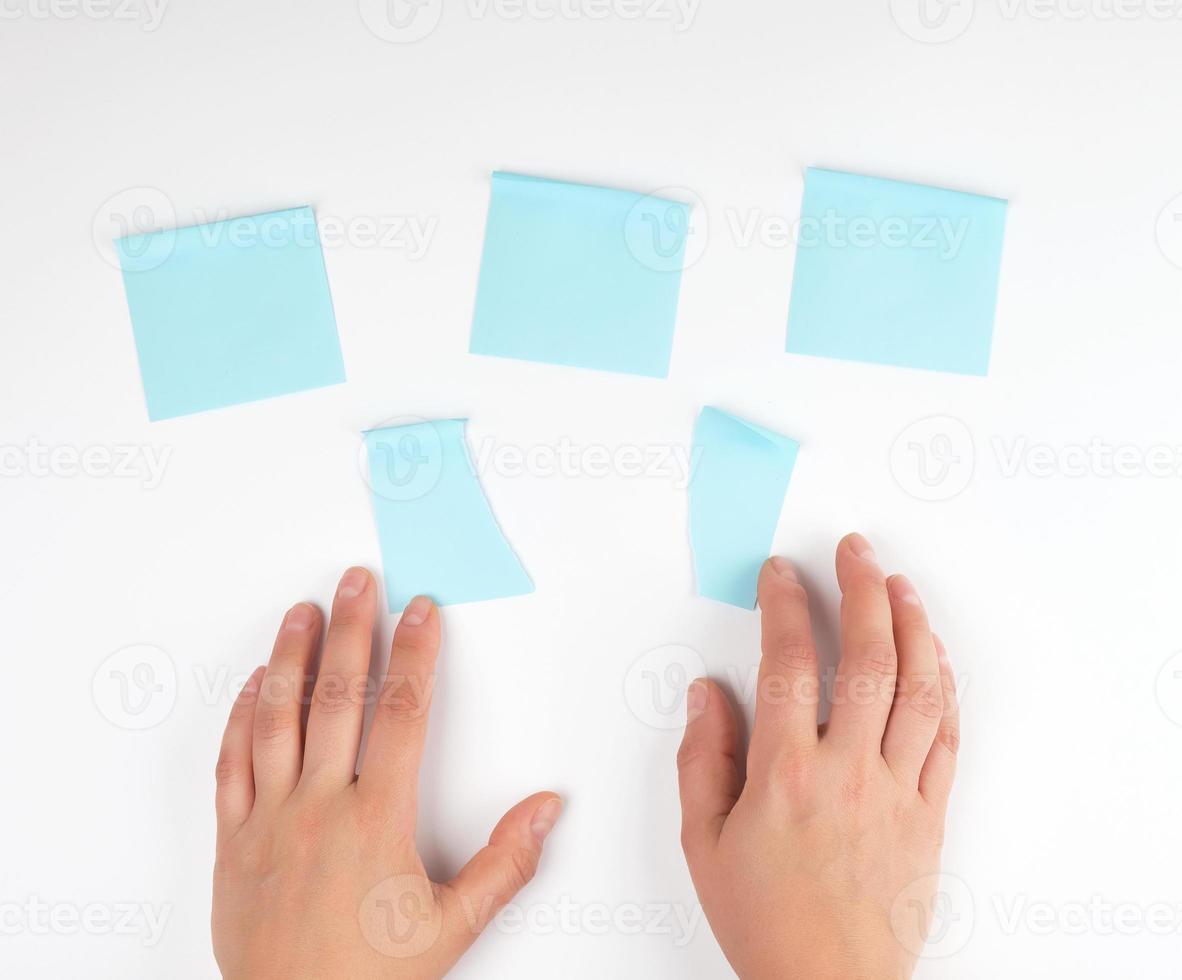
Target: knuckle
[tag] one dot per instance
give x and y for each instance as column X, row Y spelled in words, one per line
column 275, row 726
column 792, row 653
column 877, row 658
column 228, row 770
column 404, row 700
column 926, row 701
column 949, row 737
column 334, row 694
column 520, row 868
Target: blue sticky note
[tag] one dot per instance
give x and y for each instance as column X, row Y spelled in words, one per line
column 895, row 273
column 578, row 275
column 437, row 533
column 737, row 491
column 230, row 312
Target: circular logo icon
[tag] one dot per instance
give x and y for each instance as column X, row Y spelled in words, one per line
column 1169, row 688
column 402, row 459
column 656, row 684
column 932, row 21
column 667, row 230
column 1169, row 232
column 399, row 917
column 933, row 459
column 135, row 688
column 933, row 917
column 401, row 21
column 121, row 225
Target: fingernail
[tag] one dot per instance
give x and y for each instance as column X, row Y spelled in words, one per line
column 353, row 583
column 299, row 617
column 545, row 819
column 254, row 682
column 904, row 590
column 861, row 547
column 417, row 611
column 695, row 700
column 782, row 566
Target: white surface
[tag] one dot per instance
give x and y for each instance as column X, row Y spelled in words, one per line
column 1057, row 594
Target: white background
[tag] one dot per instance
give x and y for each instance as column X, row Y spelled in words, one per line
column 1056, row 586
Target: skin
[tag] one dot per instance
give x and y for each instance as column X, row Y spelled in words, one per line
column 821, row 862
column 818, row 863
column 317, row 874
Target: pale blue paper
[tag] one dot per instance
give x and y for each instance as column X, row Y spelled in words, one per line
column 911, row 282
column 736, row 494
column 437, row 532
column 230, row 312
column 579, row 275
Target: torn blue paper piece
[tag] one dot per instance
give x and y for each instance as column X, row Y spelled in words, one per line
column 736, row 494
column 437, row 534
column 895, row 273
column 230, row 312
column 579, row 275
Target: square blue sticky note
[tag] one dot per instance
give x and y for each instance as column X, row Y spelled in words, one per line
column 895, row 273
column 736, row 494
column 437, row 534
column 578, row 275
column 230, row 312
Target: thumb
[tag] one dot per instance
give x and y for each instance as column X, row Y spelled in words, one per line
column 706, row 768
column 501, row 868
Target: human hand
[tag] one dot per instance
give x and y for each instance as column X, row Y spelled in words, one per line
column 814, row 866
column 317, row 874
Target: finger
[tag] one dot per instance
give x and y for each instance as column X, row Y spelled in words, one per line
column 235, row 772
column 706, row 769
column 395, row 748
column 789, row 687
column 865, row 684
column 338, row 700
column 919, row 703
column 278, row 717
column 935, row 781
column 499, row 870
